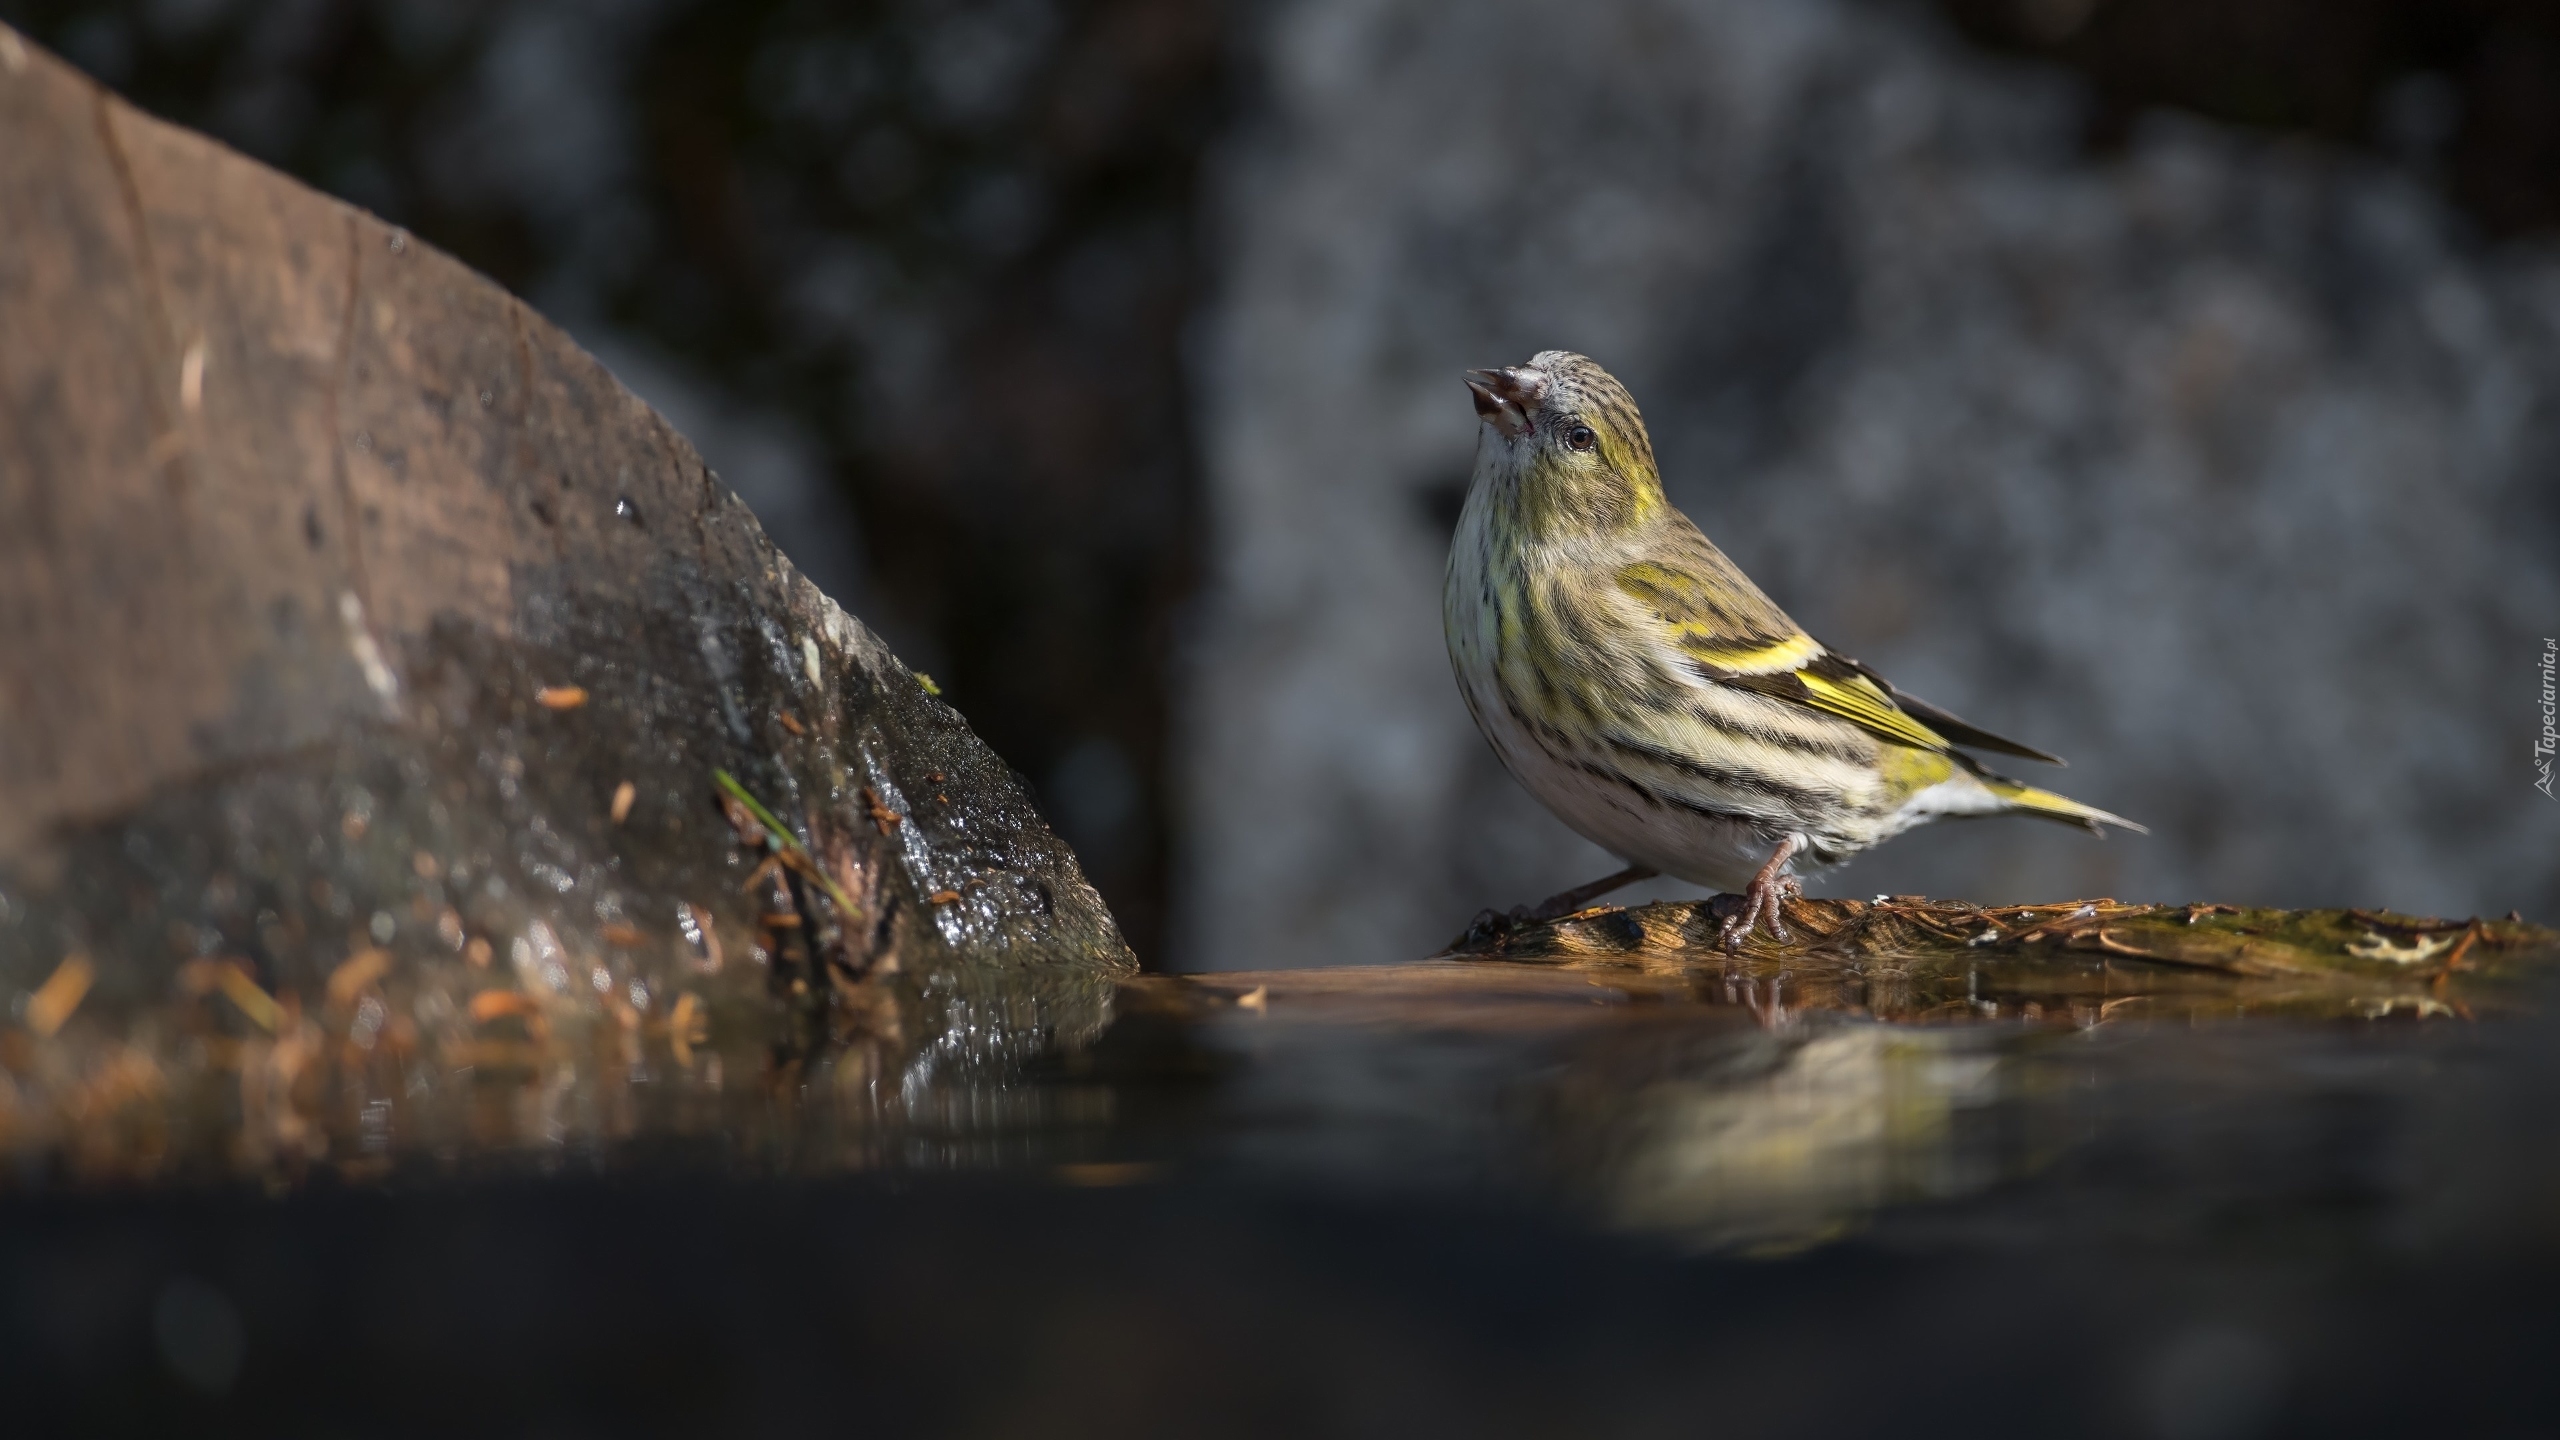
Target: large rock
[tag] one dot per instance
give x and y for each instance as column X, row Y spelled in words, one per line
column 366, row 656
column 2222, row 467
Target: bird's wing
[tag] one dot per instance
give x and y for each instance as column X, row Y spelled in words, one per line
column 1835, row 686
column 1962, row 732
column 1728, row 633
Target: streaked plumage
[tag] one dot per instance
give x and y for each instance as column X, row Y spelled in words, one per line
column 1646, row 691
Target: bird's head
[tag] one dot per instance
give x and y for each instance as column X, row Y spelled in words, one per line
column 1563, row 442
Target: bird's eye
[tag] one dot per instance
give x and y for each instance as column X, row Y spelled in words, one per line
column 1580, row 437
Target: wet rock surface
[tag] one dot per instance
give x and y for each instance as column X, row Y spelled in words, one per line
column 371, row 655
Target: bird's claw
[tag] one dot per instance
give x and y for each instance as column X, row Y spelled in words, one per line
column 1765, row 898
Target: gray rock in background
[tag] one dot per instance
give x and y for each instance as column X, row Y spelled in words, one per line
column 2224, row 467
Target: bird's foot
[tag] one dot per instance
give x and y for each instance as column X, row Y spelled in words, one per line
column 1765, row 898
column 1760, row 901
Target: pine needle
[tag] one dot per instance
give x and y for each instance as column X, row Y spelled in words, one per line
column 785, row 844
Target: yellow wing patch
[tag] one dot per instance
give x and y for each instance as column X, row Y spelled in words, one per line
column 1858, row 699
column 1727, row 630
column 1729, row 626
column 1748, row 659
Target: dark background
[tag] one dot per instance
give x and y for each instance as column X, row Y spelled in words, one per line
column 918, row 277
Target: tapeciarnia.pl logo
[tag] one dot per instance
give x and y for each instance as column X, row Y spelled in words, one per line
column 2550, row 741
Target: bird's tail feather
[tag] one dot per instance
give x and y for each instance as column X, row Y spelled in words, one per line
column 2044, row 804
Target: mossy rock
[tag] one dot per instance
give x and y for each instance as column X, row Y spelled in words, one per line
column 1903, row 957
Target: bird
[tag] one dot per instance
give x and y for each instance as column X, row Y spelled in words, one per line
column 1639, row 685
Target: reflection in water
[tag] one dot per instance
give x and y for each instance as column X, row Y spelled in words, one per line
column 1707, row 1105
column 1679, row 1104
column 1789, row 1139
column 1647, row 1106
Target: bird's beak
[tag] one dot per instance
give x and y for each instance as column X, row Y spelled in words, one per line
column 1507, row 399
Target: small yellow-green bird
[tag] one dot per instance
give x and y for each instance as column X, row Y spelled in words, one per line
column 1646, row 691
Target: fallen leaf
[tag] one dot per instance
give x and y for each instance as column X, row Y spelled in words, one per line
column 361, row 969
column 680, row 1028
column 253, row 1002
column 942, row 897
column 561, row 697
column 59, row 995
column 881, row 815
column 623, row 795
column 489, row 1005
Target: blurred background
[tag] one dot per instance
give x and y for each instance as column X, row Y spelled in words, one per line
column 2173, row 384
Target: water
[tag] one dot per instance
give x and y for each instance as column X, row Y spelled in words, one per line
column 1522, row 1198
